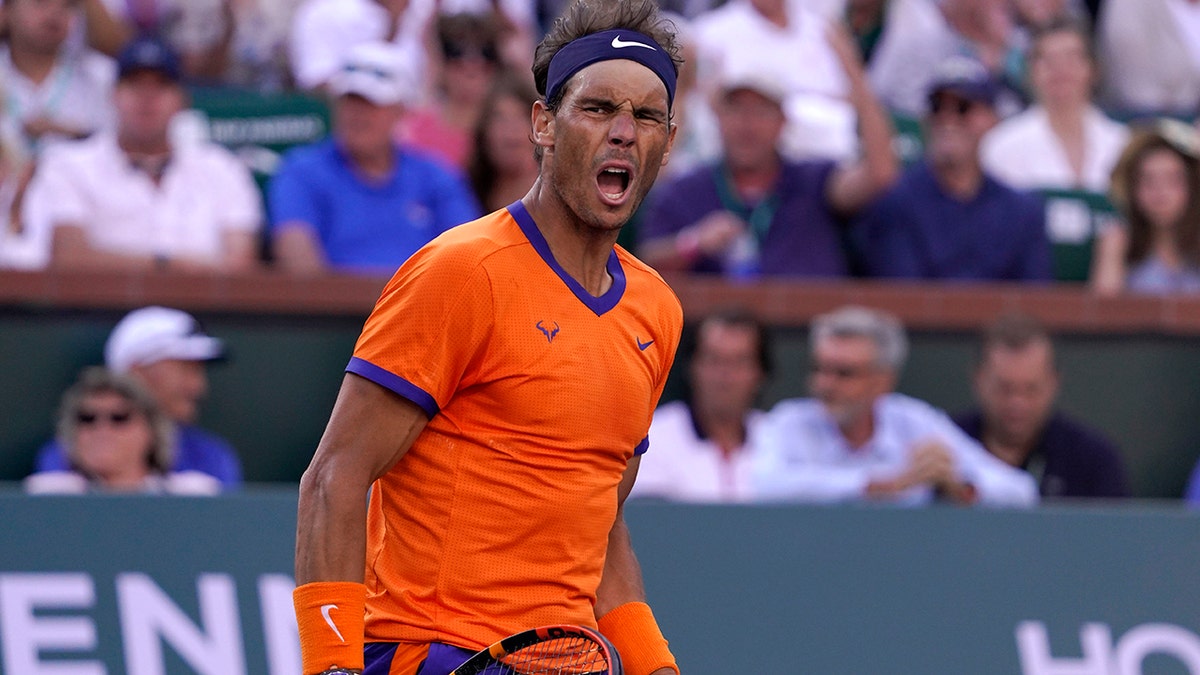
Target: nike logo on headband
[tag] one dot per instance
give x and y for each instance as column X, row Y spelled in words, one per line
column 617, row 43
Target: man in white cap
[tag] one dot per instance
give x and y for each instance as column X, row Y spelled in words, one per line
column 166, row 349
column 357, row 201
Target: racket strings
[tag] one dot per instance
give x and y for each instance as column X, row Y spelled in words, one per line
column 560, row 656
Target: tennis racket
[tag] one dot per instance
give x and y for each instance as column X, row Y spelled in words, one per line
column 549, row 650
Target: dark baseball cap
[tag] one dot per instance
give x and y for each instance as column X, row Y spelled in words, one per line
column 964, row 77
column 147, row 52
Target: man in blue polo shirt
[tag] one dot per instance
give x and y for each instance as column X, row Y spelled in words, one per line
column 946, row 218
column 357, row 202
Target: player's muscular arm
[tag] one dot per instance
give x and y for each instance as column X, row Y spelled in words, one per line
column 622, row 580
column 369, row 430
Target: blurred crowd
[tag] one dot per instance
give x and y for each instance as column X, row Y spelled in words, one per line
column 1032, row 141
column 1024, row 140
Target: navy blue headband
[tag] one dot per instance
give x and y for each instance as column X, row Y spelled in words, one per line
column 607, row 45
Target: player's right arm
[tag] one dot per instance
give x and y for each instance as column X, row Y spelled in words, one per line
column 369, row 430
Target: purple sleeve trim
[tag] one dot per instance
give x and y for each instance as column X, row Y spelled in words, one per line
column 395, row 383
column 642, row 447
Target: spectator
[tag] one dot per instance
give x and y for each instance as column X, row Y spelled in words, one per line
column 742, row 35
column 755, row 212
column 51, row 92
column 165, row 350
column 515, row 20
column 358, row 202
column 257, row 57
column 857, row 439
column 1063, row 141
column 1063, row 147
column 502, row 166
column 947, row 218
column 136, row 198
column 1016, row 385
column 199, row 31
column 324, row 31
column 467, row 65
column 704, row 444
column 1156, row 187
column 919, row 35
column 1150, row 57
column 116, row 439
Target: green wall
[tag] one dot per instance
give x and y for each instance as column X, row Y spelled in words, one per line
column 273, row 397
column 203, row 585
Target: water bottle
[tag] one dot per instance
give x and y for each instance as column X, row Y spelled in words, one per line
column 741, row 261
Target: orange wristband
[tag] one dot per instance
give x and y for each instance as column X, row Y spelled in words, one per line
column 634, row 632
column 330, row 615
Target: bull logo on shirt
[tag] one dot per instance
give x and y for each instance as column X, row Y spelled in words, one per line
column 548, row 332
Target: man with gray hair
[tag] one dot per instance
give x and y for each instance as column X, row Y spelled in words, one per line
column 857, row 439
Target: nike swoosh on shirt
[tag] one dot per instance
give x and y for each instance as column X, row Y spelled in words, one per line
column 618, row 43
column 325, row 613
column 642, row 345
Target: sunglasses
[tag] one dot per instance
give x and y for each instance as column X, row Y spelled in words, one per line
column 115, row 418
column 959, row 106
column 458, row 52
column 839, row 371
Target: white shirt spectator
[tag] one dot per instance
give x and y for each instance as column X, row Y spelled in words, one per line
column 76, row 94
column 1150, row 56
column 682, row 466
column 189, row 483
column 736, row 38
column 324, row 30
column 204, row 193
column 804, row 456
column 1024, row 152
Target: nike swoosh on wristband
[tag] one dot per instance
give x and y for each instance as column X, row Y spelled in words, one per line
column 617, row 43
column 325, row 613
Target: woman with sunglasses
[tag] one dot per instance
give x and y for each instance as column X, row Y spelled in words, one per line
column 117, row 440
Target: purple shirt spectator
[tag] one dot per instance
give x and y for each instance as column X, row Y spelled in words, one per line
column 800, row 235
column 918, row 231
column 1069, row 459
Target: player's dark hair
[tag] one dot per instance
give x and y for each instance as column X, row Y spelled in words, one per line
column 584, row 17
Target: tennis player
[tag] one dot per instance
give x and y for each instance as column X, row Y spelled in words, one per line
column 500, row 394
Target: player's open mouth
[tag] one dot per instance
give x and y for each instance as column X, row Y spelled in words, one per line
column 613, row 182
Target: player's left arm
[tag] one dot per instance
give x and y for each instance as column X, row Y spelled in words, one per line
column 621, row 610
column 622, row 580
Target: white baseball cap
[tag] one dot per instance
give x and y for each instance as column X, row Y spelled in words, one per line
column 379, row 72
column 153, row 334
column 757, row 77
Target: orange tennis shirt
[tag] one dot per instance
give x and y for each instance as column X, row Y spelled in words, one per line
column 497, row 518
